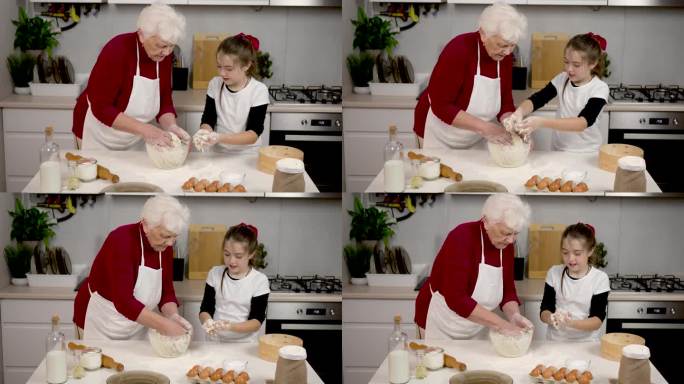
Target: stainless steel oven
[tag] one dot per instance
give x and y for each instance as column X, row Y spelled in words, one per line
column 319, row 135
column 661, row 323
column 660, row 135
column 319, row 325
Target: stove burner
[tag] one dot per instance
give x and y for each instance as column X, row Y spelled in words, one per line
column 306, row 284
column 646, row 283
column 306, row 95
column 647, row 93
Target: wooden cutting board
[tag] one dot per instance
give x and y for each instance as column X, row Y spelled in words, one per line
column 548, row 50
column 544, row 248
column 204, row 47
column 205, row 249
column 269, row 155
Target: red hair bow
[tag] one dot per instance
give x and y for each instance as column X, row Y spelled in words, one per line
column 252, row 228
column 591, row 228
column 253, row 41
column 599, row 39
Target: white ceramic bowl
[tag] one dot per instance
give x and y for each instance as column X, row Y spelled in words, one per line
column 168, row 346
column 511, row 346
column 168, row 157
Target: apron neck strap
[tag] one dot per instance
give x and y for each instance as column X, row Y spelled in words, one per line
column 142, row 250
column 478, row 61
column 137, row 60
column 482, row 259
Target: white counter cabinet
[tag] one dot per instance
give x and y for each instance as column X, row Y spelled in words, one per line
column 25, row 326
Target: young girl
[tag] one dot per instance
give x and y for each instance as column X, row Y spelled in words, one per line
column 235, row 295
column 582, row 95
column 575, row 294
column 235, row 107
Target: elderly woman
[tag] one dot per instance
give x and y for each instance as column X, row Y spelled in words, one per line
column 473, row 274
column 470, row 85
column 130, row 85
column 132, row 276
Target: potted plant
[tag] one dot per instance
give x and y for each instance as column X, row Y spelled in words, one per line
column 260, row 256
column 30, row 226
column 373, row 33
column 18, row 259
column 598, row 257
column 34, row 34
column 358, row 257
column 264, row 64
column 360, row 65
column 20, row 66
column 369, row 225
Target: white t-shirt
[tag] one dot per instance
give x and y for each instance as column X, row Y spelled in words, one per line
column 233, row 299
column 571, row 103
column 232, row 109
column 575, row 297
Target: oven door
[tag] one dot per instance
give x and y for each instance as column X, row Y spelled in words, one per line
column 660, row 336
column 322, row 341
column 322, row 155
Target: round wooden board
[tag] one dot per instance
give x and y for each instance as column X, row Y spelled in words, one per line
column 270, row 154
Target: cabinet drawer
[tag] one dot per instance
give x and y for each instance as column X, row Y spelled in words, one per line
column 22, row 151
column 378, row 120
column 377, row 311
column 36, row 311
column 365, row 345
column 364, row 152
column 23, row 345
column 35, row 120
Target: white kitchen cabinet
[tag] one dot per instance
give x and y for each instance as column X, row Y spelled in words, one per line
column 25, row 325
column 365, row 136
column 366, row 326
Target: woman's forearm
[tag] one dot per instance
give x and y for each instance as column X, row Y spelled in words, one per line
column 169, row 308
column 151, row 319
column 128, row 124
column 591, row 324
column 510, row 309
column 242, row 138
column 167, row 120
column 485, row 317
column 465, row 120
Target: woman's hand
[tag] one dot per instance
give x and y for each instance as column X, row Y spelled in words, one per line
column 180, row 320
column 496, row 134
column 521, row 321
column 172, row 328
column 180, row 132
column 509, row 329
column 156, row 136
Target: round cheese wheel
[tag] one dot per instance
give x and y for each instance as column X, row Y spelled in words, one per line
column 612, row 343
column 609, row 154
column 269, row 155
column 270, row 344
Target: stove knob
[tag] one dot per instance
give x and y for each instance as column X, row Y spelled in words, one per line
column 304, row 122
column 673, row 311
column 675, row 121
column 642, row 121
column 339, row 123
column 300, row 311
column 640, row 310
column 332, row 311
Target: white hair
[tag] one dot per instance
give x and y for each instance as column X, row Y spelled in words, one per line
column 508, row 209
column 166, row 211
column 161, row 20
column 503, row 20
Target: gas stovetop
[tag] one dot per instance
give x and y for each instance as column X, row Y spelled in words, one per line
column 297, row 94
column 636, row 93
column 646, row 283
column 305, row 284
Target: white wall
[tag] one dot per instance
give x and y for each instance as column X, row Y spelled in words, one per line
column 640, row 39
column 303, row 42
column 9, row 9
column 301, row 235
column 642, row 235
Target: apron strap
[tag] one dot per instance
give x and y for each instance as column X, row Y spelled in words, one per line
column 142, row 251
column 137, row 60
column 482, row 259
column 498, row 63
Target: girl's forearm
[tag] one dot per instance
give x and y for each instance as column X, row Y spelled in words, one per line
column 242, row 138
column 590, row 324
column 248, row 326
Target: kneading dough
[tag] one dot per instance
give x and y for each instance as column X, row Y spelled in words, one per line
column 168, row 157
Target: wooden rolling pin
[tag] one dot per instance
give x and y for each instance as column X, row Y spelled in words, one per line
column 107, row 361
column 102, row 172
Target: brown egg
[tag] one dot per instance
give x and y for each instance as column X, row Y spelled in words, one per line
column 567, row 187
column 588, row 374
column 239, row 188
column 241, row 380
column 537, row 371
column 584, row 380
column 560, row 374
column 205, row 373
column 555, row 186
column 543, row 183
column 581, row 187
column 193, row 371
column 229, row 377
column 532, row 181
column 571, row 376
column 217, row 374
column 244, row 374
column 548, row 372
column 187, row 186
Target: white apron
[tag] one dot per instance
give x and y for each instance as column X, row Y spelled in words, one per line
column 576, row 299
column 484, row 103
column 103, row 321
column 443, row 323
column 143, row 105
column 223, row 125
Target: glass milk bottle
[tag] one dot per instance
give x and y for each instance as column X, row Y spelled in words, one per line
column 398, row 358
column 55, row 359
column 50, row 173
column 394, row 163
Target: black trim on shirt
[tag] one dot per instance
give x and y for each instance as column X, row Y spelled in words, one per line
column 543, row 96
column 208, row 300
column 592, row 110
column 599, row 302
column 255, row 119
column 257, row 308
column 209, row 114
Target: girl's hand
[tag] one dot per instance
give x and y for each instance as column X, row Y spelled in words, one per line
column 223, row 325
column 560, row 319
column 512, row 121
column 204, row 139
column 529, row 125
column 209, row 327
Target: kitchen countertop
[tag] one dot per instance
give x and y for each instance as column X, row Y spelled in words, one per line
column 475, row 164
column 191, row 100
column 135, row 166
column 186, row 290
column 527, row 290
column 138, row 355
column 480, row 355
column 353, row 100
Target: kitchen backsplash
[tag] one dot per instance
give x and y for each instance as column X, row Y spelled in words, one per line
column 641, row 40
column 302, row 236
column 303, row 42
column 639, row 238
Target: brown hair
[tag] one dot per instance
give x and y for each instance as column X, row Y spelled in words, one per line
column 590, row 50
column 241, row 233
column 580, row 231
column 241, row 47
